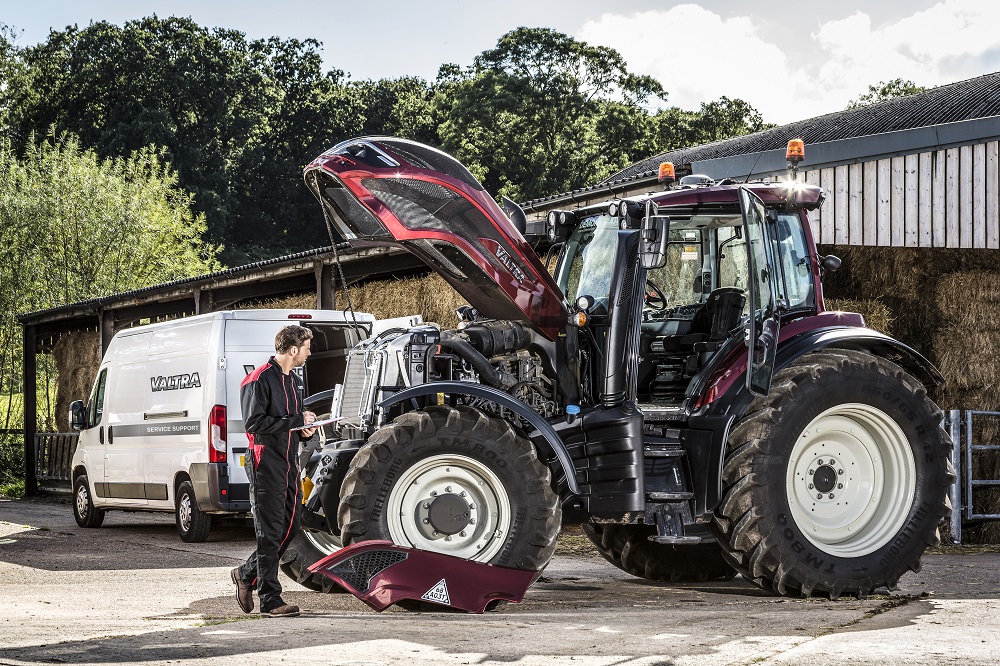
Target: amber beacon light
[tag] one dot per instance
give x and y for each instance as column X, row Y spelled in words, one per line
column 666, row 175
column 795, row 153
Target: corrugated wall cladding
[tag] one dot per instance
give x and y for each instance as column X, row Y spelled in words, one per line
column 941, row 198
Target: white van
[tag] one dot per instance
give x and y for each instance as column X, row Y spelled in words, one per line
column 163, row 429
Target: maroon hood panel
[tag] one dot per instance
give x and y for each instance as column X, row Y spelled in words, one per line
column 394, row 192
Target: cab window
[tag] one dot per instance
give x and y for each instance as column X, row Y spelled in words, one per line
column 793, row 256
column 96, row 408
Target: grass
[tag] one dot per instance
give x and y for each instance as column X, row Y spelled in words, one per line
column 12, row 489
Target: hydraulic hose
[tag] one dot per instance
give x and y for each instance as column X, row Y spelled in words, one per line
column 487, row 373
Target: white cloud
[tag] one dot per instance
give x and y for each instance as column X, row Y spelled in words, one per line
column 673, row 47
column 699, row 55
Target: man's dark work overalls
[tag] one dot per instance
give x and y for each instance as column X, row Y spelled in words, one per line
column 272, row 406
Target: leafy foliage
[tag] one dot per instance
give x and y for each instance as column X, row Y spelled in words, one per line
column 74, row 227
column 884, row 90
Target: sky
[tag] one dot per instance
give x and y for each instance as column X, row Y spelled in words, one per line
column 791, row 61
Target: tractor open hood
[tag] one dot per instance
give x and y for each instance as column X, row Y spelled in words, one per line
column 399, row 193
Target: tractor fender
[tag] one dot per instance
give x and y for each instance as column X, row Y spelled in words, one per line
column 544, row 428
column 723, row 412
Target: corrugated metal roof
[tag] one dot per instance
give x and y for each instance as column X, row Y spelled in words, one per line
column 208, row 278
column 965, row 100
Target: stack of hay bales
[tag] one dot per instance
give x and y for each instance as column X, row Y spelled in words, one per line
column 877, row 315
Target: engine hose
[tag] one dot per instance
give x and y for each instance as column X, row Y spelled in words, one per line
column 487, row 373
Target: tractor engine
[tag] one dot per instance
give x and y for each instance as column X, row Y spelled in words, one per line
column 495, row 353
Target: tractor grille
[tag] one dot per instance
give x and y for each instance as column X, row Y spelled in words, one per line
column 357, row 389
column 359, row 570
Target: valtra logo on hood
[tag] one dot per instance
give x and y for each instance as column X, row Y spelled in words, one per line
column 399, row 193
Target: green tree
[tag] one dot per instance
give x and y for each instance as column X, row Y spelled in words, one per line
column 238, row 117
column 524, row 116
column 884, row 90
column 73, row 227
column 400, row 107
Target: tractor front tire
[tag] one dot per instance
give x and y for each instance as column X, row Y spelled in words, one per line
column 628, row 547
column 837, row 481
column 453, row 480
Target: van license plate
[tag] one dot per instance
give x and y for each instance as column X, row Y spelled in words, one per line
column 242, row 460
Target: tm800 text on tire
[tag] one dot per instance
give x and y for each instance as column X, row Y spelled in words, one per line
column 836, row 482
column 457, row 481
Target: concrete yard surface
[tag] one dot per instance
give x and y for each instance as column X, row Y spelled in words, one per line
column 131, row 592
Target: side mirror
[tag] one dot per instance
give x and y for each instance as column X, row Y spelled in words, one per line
column 653, row 238
column 77, row 415
column 831, row 263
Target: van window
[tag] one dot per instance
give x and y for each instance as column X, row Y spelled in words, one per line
column 96, row 409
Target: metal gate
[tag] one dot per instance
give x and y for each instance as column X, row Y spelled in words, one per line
column 962, row 427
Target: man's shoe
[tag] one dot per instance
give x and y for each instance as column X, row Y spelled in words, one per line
column 244, row 593
column 284, row 610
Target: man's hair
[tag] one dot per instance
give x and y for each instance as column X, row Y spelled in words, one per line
column 291, row 336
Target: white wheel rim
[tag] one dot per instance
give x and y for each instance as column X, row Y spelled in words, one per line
column 409, row 505
column 82, row 500
column 850, row 480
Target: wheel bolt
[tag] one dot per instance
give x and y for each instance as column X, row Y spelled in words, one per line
column 472, row 521
column 435, row 533
column 434, row 493
column 461, row 534
column 831, row 495
column 447, row 489
column 811, row 486
column 462, row 494
column 811, row 472
column 819, row 462
column 819, row 495
column 472, row 506
column 840, row 486
column 447, row 538
column 426, row 520
column 840, row 471
column 427, row 505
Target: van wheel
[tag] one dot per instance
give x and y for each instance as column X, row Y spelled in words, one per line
column 192, row 523
column 86, row 514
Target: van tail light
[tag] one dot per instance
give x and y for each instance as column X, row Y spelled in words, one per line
column 217, row 435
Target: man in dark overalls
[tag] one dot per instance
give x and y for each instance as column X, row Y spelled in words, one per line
column 272, row 408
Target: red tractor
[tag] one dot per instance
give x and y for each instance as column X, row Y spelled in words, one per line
column 677, row 387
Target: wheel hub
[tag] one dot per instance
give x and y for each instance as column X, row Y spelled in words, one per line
column 850, row 479
column 449, row 514
column 825, row 478
column 450, row 504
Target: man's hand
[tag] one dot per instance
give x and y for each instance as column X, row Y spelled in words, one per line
column 307, row 418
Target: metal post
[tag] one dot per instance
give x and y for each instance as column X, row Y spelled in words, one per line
column 324, row 287
column 955, row 491
column 30, row 370
column 968, row 464
column 107, row 329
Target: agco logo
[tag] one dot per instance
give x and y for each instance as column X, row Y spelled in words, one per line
column 175, row 382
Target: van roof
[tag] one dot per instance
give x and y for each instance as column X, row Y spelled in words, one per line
column 291, row 316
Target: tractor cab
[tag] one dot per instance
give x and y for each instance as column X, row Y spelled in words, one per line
column 738, row 261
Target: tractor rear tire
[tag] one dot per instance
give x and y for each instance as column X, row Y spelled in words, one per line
column 457, row 481
column 837, row 481
column 628, row 547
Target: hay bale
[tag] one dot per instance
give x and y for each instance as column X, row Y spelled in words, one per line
column 306, row 301
column 77, row 356
column 877, row 315
column 967, row 337
column 428, row 295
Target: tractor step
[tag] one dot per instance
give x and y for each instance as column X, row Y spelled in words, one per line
column 656, row 412
column 669, row 497
column 676, row 540
column 663, row 452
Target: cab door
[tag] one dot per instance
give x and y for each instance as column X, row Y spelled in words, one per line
column 763, row 324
